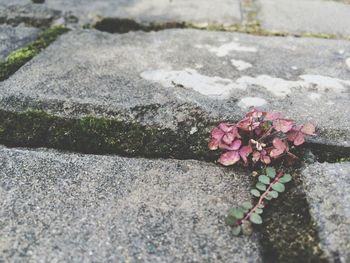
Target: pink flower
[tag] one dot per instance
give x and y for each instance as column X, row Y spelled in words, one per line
column 235, row 155
column 283, row 125
column 296, row 135
column 261, row 156
column 224, row 134
column 244, row 153
column 271, row 116
column 280, row 147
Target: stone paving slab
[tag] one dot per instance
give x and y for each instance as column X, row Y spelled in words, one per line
column 159, row 79
column 12, row 38
column 327, row 190
column 145, row 11
column 305, row 16
column 58, row 207
column 24, row 12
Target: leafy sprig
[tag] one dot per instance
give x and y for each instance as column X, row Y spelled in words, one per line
column 259, row 138
column 268, row 187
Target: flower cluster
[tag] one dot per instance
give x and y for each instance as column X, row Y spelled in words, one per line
column 259, row 137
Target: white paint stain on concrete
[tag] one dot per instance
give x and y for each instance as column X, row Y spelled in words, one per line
column 347, row 62
column 221, row 88
column 240, row 64
column 281, row 87
column 324, row 83
column 314, row 96
column 277, row 86
column 226, row 48
column 247, row 102
column 214, row 87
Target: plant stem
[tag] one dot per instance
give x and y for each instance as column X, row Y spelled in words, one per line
column 261, row 199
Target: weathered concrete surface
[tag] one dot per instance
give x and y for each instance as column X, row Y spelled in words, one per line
column 59, row 207
column 16, row 13
column 158, row 79
column 145, row 12
column 305, row 16
column 12, row 38
column 327, row 190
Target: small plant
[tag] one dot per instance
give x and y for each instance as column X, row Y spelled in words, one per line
column 262, row 141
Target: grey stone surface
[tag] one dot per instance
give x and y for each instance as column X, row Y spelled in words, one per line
column 305, row 16
column 145, row 11
column 327, row 190
column 24, row 12
column 58, row 207
column 12, row 38
column 149, row 77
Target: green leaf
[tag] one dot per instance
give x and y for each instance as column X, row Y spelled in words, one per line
column 255, row 218
column 271, row 172
column 230, row 220
column 267, row 197
column 247, row 205
column 285, row 178
column 236, row 230
column 258, row 211
column 237, row 213
column 264, row 179
column 273, row 194
column 255, row 192
column 279, row 187
column 261, row 186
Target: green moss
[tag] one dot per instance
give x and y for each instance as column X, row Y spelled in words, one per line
column 100, row 136
column 289, row 233
column 19, row 57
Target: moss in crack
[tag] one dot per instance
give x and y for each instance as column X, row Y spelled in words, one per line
column 251, row 26
column 103, row 136
column 19, row 57
column 289, row 233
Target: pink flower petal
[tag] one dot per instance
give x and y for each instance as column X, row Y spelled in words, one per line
column 217, row 133
column 213, row 144
column 231, row 147
column 308, row 129
column 229, row 158
column 275, row 153
column 292, row 134
column 266, row 159
column 244, row 124
column 280, row 144
column 299, row 139
column 244, row 152
column 236, row 144
column 283, row 125
column 225, row 127
column 256, row 156
column 228, row 138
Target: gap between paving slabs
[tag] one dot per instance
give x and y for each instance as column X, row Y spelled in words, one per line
column 121, row 25
column 19, row 57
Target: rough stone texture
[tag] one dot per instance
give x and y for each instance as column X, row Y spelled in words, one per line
column 300, row 16
column 24, row 12
column 12, row 38
column 99, row 74
column 327, row 190
column 145, row 11
column 58, row 207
